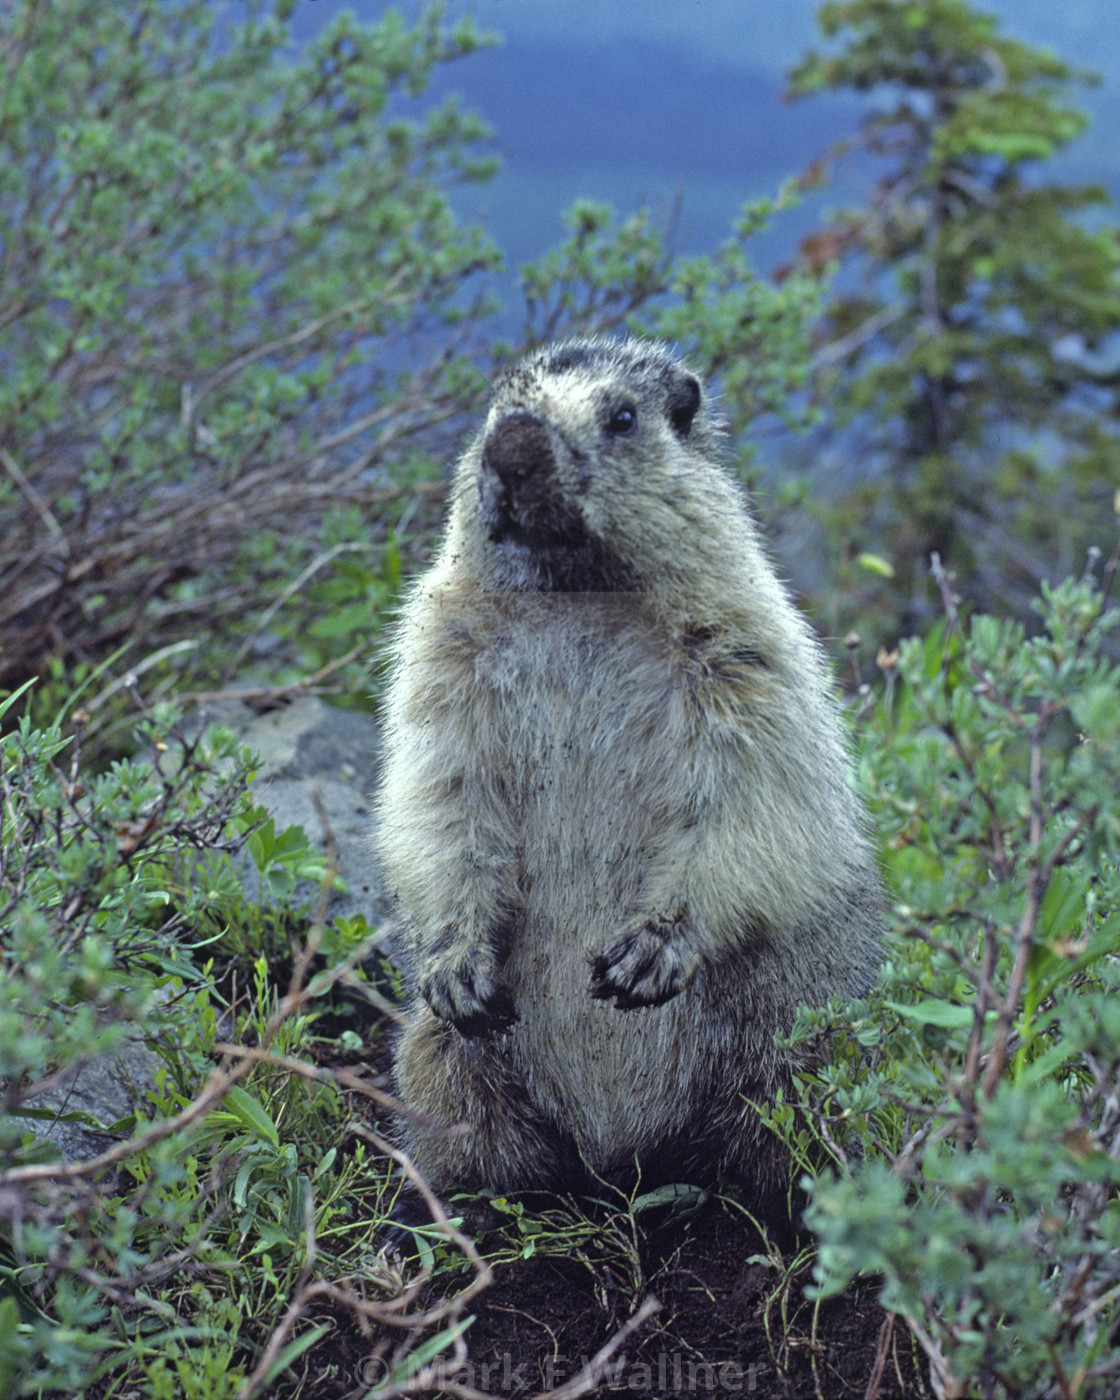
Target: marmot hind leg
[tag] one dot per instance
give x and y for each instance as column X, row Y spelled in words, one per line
column 478, row 1127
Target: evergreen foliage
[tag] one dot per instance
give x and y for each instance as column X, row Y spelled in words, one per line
column 970, row 361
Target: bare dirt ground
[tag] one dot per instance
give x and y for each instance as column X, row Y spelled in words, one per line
column 727, row 1324
column 729, row 1321
column 732, row 1314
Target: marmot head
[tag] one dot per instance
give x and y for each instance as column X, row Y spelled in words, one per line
column 596, row 470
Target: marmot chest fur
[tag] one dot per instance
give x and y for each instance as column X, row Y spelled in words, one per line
column 614, row 808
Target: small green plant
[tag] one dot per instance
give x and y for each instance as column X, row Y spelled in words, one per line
column 92, row 899
column 200, row 1365
column 92, row 908
column 968, row 1111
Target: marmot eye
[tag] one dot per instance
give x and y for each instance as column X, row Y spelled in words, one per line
column 623, row 420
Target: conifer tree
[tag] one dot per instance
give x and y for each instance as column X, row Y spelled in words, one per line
column 968, row 354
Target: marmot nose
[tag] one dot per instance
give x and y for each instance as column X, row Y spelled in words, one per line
column 518, row 448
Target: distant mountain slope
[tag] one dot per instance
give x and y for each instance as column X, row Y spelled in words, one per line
column 632, row 100
column 771, row 36
column 647, row 121
column 564, row 105
column 650, row 107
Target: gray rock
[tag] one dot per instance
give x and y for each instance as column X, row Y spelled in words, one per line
column 308, row 747
column 108, row 1088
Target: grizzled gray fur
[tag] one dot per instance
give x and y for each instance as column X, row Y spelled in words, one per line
column 614, row 809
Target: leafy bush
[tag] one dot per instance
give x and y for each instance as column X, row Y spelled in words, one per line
column 969, row 1109
column 222, row 271
column 94, row 889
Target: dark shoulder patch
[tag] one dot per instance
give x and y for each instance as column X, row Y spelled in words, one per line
column 708, row 651
column 748, row 656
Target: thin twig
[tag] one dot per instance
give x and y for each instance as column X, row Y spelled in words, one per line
column 319, row 562
column 211, row 1094
column 44, row 512
column 309, row 685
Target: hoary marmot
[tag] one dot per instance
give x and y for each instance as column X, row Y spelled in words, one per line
column 614, row 809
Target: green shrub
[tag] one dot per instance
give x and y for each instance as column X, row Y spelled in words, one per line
column 233, row 294
column 242, row 330
column 95, row 888
column 968, row 1110
column 168, row 1260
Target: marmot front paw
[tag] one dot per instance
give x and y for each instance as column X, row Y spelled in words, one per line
column 648, row 965
column 465, row 992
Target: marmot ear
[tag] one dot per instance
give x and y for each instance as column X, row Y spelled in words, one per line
column 684, row 400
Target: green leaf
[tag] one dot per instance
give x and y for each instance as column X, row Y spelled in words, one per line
column 416, row 1360
column 10, row 699
column 944, row 1014
column 876, row 564
column 251, row 1114
column 291, row 1353
column 1063, row 909
column 672, row 1195
column 10, row 1353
